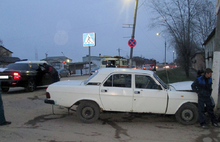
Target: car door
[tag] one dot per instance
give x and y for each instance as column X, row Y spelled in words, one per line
column 116, row 93
column 148, row 95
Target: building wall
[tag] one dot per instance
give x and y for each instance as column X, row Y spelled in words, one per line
column 209, row 50
column 4, row 52
column 96, row 60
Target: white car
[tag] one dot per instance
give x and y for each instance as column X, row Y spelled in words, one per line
column 123, row 90
column 146, row 67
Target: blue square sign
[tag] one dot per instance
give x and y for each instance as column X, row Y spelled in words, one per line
column 88, row 39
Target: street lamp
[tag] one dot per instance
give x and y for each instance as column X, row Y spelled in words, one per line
column 158, row 34
column 133, row 32
column 173, row 57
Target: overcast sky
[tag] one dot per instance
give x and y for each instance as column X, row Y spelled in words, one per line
column 33, row 28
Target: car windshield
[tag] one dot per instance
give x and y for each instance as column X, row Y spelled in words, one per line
column 160, row 81
column 85, row 82
column 18, row 66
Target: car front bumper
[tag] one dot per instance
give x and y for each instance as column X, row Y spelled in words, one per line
column 47, row 101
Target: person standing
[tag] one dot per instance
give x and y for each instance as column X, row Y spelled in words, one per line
column 2, row 114
column 203, row 87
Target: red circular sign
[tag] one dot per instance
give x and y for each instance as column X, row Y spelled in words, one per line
column 132, row 42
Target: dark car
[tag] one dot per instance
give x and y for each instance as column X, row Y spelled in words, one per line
column 63, row 73
column 27, row 74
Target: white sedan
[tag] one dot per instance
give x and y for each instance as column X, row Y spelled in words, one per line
column 123, row 90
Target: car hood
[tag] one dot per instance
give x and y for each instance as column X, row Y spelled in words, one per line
column 70, row 82
column 182, row 86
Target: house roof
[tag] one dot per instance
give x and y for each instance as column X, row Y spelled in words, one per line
column 56, row 58
column 9, row 59
column 5, row 48
column 209, row 37
column 198, row 53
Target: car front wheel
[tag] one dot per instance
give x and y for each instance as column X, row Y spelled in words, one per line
column 88, row 112
column 187, row 114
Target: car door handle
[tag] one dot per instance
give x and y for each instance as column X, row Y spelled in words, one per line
column 104, row 90
column 137, row 92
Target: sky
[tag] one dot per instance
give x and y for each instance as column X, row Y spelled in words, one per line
column 33, row 28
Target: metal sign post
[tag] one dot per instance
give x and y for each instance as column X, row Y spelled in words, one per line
column 89, row 40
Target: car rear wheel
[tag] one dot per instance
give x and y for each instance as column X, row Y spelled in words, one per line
column 68, row 74
column 88, row 112
column 187, row 114
column 31, row 86
column 5, row 89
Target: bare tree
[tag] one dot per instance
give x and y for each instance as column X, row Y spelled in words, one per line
column 186, row 24
column 1, row 42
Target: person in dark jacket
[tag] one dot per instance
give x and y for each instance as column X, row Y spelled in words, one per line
column 203, row 87
column 200, row 73
column 2, row 115
column 52, row 72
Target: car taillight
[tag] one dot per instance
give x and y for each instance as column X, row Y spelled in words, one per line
column 48, row 95
column 16, row 75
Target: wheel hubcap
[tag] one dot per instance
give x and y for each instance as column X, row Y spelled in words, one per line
column 87, row 112
column 187, row 115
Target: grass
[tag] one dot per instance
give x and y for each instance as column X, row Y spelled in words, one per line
column 175, row 75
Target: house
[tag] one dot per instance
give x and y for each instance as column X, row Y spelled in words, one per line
column 58, row 61
column 209, row 49
column 4, row 52
column 198, row 61
column 6, row 57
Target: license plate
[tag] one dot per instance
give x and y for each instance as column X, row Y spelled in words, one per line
column 4, row 77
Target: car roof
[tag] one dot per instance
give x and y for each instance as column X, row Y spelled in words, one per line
column 124, row 70
column 104, row 72
column 38, row 62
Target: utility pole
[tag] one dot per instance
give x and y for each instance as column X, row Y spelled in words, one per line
column 119, row 51
column 133, row 32
column 165, row 53
column 46, row 56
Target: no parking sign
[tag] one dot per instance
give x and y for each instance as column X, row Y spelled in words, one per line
column 132, row 42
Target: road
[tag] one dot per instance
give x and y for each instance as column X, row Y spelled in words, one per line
column 34, row 121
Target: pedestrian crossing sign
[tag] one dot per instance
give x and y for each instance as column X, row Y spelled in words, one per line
column 88, row 39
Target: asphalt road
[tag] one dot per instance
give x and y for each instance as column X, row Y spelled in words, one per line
column 34, row 121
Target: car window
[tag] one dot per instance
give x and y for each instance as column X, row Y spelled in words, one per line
column 92, row 76
column 34, row 67
column 144, row 82
column 18, row 66
column 118, row 80
column 104, row 62
column 160, row 81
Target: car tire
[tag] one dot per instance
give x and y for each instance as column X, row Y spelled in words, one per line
column 31, row 86
column 187, row 114
column 68, row 74
column 5, row 89
column 88, row 112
